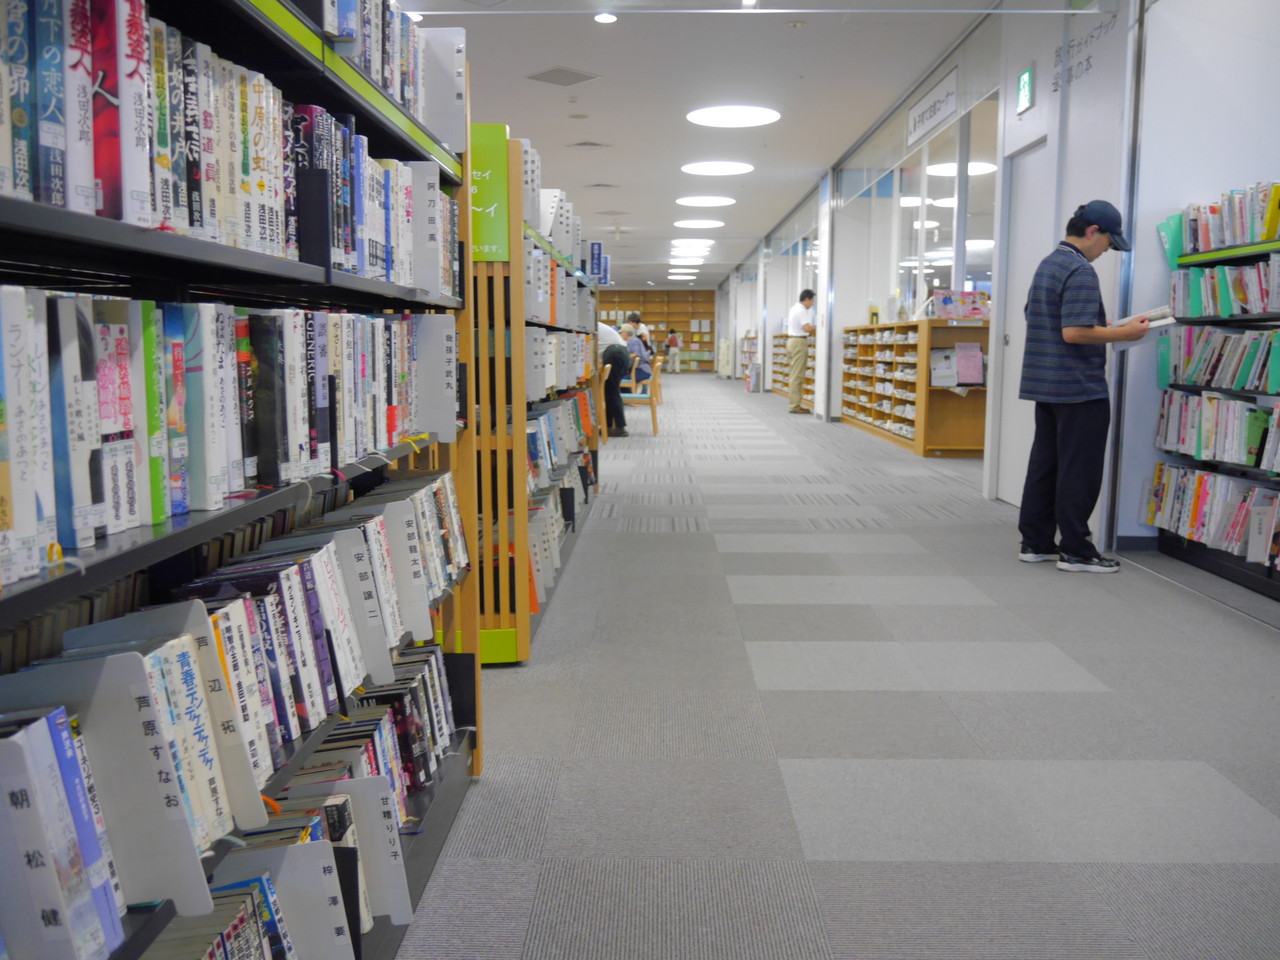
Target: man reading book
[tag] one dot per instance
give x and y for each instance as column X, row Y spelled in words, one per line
column 1064, row 374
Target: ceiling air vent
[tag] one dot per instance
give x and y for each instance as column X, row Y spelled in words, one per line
column 588, row 143
column 486, row 3
column 562, row 76
column 602, row 186
column 612, row 213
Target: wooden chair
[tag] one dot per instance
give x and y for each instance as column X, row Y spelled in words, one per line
column 602, row 415
column 628, row 384
column 655, row 382
column 646, row 395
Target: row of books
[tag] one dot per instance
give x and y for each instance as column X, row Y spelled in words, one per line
column 188, row 708
column 141, row 123
column 1244, row 215
column 1226, row 291
column 1228, row 360
column 130, row 411
column 1210, row 426
column 423, row 69
column 554, row 360
column 1222, row 512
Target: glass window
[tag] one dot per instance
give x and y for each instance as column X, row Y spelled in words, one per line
column 912, row 202
column 937, row 222
column 980, row 224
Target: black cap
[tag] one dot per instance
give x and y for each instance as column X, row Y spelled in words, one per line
column 1107, row 218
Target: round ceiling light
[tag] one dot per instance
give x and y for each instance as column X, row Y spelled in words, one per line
column 685, row 261
column 717, row 168
column 706, row 201
column 733, row 116
column 689, row 270
column 698, row 224
column 605, row 18
column 692, row 242
column 976, row 169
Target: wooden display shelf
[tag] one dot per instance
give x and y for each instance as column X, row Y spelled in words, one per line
column 946, row 424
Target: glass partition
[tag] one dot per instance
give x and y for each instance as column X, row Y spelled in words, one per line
column 980, row 222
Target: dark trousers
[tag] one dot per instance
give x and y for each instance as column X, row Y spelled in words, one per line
column 614, row 409
column 1064, row 476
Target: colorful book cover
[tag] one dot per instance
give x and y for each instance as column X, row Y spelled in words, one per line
column 267, row 375
column 163, row 182
column 192, row 154
column 151, row 434
column 6, row 127
column 31, row 448
column 19, row 54
column 78, row 77
column 176, row 406
column 50, row 102
column 290, row 181
column 133, row 73
column 108, row 201
column 228, row 399
column 211, row 122
column 76, row 439
column 245, row 388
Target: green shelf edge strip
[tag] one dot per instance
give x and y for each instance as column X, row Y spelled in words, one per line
column 311, row 43
column 498, row 646
column 1230, row 253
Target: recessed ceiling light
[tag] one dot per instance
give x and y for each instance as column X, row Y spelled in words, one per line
column 717, row 168
column 692, row 241
column 912, row 201
column 678, row 276
column 927, row 224
column 939, row 254
column 979, row 244
column 733, row 116
column 976, row 169
column 944, row 202
column 698, row 224
column 688, row 270
column 706, row 201
column 685, row 261
column 606, row 18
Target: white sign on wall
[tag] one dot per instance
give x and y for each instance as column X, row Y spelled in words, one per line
column 934, row 108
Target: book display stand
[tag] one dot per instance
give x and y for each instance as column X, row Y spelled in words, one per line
column 165, row 873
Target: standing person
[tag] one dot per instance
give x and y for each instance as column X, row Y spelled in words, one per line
column 636, row 347
column 1064, row 373
column 673, row 350
column 642, row 331
column 613, row 350
column 799, row 326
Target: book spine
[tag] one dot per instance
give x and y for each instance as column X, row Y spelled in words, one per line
column 78, row 76
column 244, row 186
column 289, row 175
column 208, row 131
column 229, row 397
column 207, row 469
column 312, row 452
column 175, row 75
column 282, row 702
column 17, row 541
column 107, row 108
column 267, row 373
column 163, row 186
column 245, row 376
column 324, row 439
column 40, row 425
column 342, row 137
column 134, row 64
column 50, row 102
column 230, row 145
column 316, row 689
column 176, row 407
column 319, row 636
column 95, row 810
column 258, row 680
column 94, row 859
column 20, row 57
column 6, row 122
column 359, row 192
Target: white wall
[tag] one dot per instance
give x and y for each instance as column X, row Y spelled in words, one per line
column 1207, row 125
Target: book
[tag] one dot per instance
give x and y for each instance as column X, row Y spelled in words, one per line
column 78, row 77
column 175, row 78
column 175, row 337
column 49, row 82
column 205, row 411
column 76, row 439
column 164, row 201
column 19, row 55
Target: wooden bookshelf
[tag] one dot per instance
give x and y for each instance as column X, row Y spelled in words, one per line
column 782, row 370
column 663, row 310
column 885, row 387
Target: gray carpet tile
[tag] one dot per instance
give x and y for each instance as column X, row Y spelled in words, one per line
column 865, row 725
column 880, row 589
column 473, row 910
column 676, row 909
column 1217, row 725
column 998, row 666
column 946, row 622
column 1032, row 811
column 1196, row 911
column 504, row 815
column 792, row 564
column 763, row 622
column 970, row 911
column 897, row 565
column 822, row 665
column 1172, row 662
column 1260, row 779
column 669, row 661
column 670, row 808
column 776, row 543
column 653, row 724
column 1062, row 726
column 526, row 719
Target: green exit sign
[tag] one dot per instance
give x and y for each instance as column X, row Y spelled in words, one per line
column 1026, row 89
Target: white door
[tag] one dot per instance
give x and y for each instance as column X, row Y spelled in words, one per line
column 1031, row 236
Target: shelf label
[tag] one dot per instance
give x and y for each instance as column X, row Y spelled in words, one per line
column 490, row 204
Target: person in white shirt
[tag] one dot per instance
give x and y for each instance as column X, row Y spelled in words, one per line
column 641, row 330
column 799, row 326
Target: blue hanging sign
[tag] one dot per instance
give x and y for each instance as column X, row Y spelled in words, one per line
column 597, row 255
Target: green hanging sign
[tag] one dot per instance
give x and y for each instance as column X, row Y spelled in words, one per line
column 490, row 203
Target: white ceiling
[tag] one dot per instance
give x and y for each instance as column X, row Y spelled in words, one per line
column 830, row 68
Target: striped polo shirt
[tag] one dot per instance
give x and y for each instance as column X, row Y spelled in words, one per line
column 1064, row 293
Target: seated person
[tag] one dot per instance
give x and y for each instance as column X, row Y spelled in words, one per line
column 636, row 346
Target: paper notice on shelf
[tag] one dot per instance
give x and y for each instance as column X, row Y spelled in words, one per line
column 942, row 367
column 969, row 368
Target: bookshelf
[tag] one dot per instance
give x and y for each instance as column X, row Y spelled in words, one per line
column 886, row 389
column 45, row 247
column 782, row 366
column 749, row 357
column 690, row 313
column 526, row 515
